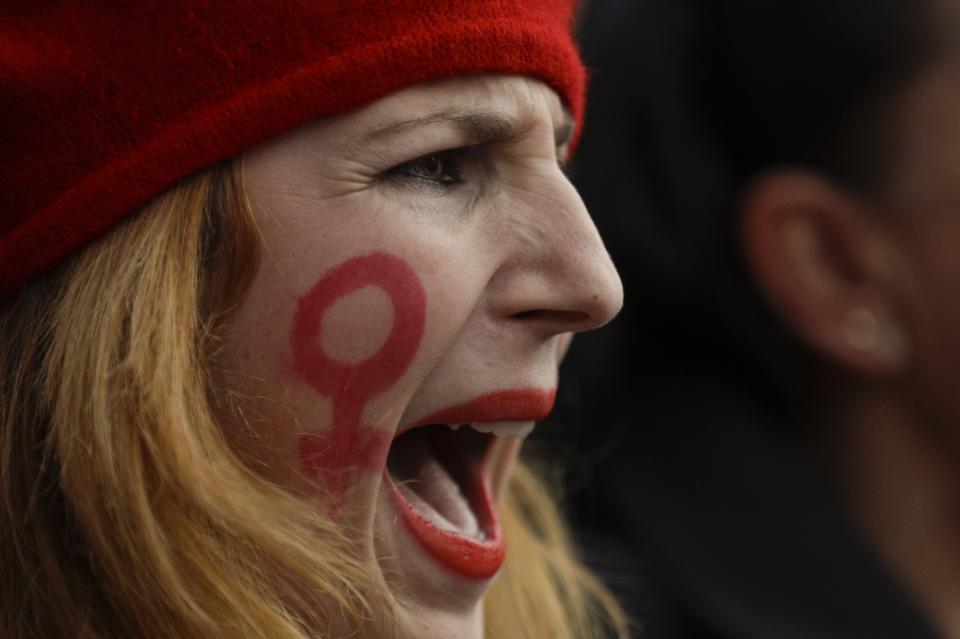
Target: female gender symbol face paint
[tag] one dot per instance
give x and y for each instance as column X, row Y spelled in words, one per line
column 350, row 445
column 412, row 269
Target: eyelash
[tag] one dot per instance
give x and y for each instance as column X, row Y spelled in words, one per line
column 451, row 161
column 424, row 169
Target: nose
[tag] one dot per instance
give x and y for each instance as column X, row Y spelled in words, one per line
column 558, row 277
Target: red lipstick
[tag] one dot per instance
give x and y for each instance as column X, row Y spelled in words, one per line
column 473, row 558
column 513, row 405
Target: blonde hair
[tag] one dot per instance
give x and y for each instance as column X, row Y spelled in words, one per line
column 125, row 512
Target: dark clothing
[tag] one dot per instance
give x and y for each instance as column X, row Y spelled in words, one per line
column 728, row 533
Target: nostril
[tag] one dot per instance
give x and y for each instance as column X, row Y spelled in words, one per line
column 574, row 318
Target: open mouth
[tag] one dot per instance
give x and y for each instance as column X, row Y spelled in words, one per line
column 438, row 478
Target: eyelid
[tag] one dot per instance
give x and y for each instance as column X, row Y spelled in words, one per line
column 403, row 172
column 455, row 153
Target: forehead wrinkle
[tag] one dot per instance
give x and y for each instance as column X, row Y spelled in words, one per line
column 481, row 126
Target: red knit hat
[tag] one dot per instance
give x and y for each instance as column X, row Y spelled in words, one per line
column 106, row 103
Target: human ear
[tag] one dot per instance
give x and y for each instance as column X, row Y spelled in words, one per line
column 825, row 263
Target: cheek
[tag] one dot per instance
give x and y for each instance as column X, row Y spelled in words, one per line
column 295, row 374
column 350, row 358
column 257, row 405
column 936, row 311
column 357, row 326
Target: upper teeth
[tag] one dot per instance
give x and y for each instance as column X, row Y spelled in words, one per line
column 500, row 429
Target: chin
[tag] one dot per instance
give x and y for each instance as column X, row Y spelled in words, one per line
column 438, row 623
column 438, row 539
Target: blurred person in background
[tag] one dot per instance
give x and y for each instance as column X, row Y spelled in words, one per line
column 768, row 439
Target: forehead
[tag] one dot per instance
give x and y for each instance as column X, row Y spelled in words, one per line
column 516, row 102
column 507, row 92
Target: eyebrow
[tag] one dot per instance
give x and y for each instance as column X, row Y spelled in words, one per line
column 482, row 127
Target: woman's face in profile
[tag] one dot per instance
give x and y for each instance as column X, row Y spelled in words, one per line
column 425, row 261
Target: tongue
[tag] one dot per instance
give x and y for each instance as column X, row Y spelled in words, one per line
column 433, row 493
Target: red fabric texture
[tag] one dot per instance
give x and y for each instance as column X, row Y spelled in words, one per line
column 106, row 103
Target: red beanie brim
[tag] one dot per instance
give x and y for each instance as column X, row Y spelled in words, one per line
column 106, row 105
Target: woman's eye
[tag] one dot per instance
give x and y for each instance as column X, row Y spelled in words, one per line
column 441, row 168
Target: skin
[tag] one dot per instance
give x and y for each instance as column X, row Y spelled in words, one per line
column 871, row 285
column 508, row 261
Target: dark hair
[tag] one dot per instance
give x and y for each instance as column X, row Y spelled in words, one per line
column 806, row 81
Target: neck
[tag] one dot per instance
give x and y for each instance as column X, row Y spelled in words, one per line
column 905, row 492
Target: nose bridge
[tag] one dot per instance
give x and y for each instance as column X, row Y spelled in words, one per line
column 560, row 272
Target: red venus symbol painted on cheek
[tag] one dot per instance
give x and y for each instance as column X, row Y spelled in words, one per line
column 350, row 445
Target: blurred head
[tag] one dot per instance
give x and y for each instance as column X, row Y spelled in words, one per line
column 794, row 153
column 842, row 146
column 790, row 246
column 285, row 397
